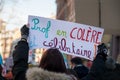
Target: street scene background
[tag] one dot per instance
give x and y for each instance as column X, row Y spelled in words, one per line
column 100, row 13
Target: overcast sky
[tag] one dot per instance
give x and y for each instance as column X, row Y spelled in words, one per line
column 15, row 12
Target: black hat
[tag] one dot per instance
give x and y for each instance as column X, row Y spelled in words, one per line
column 76, row 60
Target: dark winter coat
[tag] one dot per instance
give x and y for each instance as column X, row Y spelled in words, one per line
column 20, row 58
column 112, row 71
column 108, row 70
column 81, row 70
column 97, row 69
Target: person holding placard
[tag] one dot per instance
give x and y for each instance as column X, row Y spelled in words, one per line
column 51, row 67
column 98, row 66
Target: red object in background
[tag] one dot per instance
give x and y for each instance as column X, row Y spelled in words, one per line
column 9, row 75
column 89, row 64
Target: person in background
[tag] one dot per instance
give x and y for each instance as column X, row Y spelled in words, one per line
column 89, row 64
column 98, row 67
column 72, row 72
column 104, row 67
column 112, row 71
column 21, row 72
column 1, row 76
column 9, row 75
column 78, row 67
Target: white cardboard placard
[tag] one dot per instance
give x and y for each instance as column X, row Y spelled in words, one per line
column 70, row 38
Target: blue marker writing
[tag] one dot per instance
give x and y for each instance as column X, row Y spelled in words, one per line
column 43, row 30
column 32, row 42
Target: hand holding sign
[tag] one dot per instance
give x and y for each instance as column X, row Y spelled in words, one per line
column 24, row 32
column 102, row 50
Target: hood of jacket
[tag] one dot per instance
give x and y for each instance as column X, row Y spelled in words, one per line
column 41, row 74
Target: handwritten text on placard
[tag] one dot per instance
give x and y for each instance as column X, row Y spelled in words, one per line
column 70, row 38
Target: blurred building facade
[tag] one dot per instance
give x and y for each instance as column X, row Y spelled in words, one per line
column 99, row 13
column 9, row 39
column 6, row 40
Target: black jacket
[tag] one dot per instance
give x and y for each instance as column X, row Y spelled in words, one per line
column 81, row 70
column 112, row 73
column 97, row 69
column 20, row 58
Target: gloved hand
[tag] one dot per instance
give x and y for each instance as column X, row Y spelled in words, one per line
column 102, row 50
column 24, row 32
